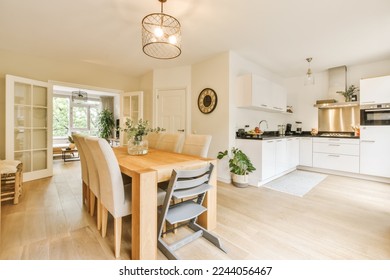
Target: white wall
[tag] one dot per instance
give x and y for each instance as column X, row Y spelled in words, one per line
column 213, row 73
column 42, row 69
column 302, row 98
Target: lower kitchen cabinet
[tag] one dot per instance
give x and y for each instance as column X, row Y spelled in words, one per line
column 336, row 154
column 306, row 151
column 375, row 151
column 271, row 158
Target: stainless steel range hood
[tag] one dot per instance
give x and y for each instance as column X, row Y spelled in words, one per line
column 337, row 115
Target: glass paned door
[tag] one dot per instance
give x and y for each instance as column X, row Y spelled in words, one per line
column 28, row 126
column 132, row 108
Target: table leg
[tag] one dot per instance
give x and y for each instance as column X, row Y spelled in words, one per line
column 144, row 216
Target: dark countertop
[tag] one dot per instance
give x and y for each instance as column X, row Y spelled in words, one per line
column 274, row 135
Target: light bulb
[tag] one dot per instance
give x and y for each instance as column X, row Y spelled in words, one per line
column 158, row 32
column 172, row 39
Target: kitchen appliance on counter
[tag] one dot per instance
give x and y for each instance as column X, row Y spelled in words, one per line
column 288, row 129
column 299, row 127
column 375, row 114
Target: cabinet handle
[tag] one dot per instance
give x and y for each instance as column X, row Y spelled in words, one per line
column 263, row 105
column 334, row 145
column 334, row 139
column 180, row 130
column 367, row 141
column 333, row 156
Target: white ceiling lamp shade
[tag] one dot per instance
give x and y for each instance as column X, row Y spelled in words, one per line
column 161, row 35
column 309, row 77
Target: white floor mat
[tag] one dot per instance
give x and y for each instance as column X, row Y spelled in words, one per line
column 296, row 183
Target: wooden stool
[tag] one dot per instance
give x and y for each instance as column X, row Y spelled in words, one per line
column 11, row 180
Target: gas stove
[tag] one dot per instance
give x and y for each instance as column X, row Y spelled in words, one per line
column 336, row 134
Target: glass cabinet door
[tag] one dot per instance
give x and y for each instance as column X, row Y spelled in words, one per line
column 132, row 108
column 28, row 126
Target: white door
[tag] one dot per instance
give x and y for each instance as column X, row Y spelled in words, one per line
column 131, row 108
column 29, row 126
column 171, row 110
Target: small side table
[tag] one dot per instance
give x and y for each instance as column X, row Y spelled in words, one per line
column 71, row 153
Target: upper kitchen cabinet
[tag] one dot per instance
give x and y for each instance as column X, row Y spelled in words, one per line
column 375, row 90
column 258, row 93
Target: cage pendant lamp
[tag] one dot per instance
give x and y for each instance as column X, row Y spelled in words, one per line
column 161, row 35
column 309, row 78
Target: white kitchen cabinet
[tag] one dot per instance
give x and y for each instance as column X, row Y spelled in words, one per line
column 279, row 98
column 375, row 90
column 292, row 145
column 267, row 169
column 375, row 150
column 306, row 151
column 255, row 92
column 271, row 158
column 339, row 154
column 131, row 108
column 281, row 156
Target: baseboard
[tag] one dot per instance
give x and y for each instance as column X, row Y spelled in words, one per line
column 345, row 174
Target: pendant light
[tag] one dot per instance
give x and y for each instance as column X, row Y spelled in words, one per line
column 309, row 78
column 161, row 35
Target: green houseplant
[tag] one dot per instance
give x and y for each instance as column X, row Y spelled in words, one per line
column 106, row 124
column 136, row 130
column 349, row 92
column 239, row 164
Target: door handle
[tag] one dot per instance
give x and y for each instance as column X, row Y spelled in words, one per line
column 180, row 130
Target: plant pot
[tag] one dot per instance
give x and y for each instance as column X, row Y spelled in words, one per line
column 240, row 181
column 137, row 146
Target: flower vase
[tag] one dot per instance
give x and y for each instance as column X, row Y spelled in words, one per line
column 137, row 146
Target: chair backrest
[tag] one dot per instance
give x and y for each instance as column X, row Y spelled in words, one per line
column 93, row 176
column 112, row 193
column 171, row 142
column 84, row 168
column 153, row 139
column 185, row 184
column 197, row 145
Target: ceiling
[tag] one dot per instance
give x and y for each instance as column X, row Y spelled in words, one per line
column 278, row 35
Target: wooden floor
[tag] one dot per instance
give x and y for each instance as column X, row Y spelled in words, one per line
column 341, row 218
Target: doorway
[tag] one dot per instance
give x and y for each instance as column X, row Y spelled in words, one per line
column 172, row 110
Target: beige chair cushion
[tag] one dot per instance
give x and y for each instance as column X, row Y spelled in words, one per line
column 197, row 145
column 171, row 142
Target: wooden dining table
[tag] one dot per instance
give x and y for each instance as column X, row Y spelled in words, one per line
column 146, row 171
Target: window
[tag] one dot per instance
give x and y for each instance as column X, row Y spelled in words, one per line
column 71, row 117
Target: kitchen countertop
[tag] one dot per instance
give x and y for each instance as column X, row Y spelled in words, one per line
column 274, row 135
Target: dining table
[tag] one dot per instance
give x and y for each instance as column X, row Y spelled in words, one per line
column 146, row 171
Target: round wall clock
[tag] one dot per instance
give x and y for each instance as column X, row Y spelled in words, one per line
column 207, row 101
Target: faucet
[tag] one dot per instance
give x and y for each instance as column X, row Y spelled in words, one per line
column 263, row 121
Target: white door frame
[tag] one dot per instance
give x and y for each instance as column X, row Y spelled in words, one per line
column 187, row 91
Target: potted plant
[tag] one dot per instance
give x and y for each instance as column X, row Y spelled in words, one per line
column 240, row 166
column 349, row 92
column 105, row 123
column 136, row 131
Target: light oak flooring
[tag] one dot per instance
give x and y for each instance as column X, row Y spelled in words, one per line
column 341, row 218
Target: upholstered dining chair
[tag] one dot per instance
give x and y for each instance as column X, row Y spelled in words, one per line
column 93, row 180
column 84, row 170
column 153, row 139
column 171, row 142
column 115, row 195
column 196, row 144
